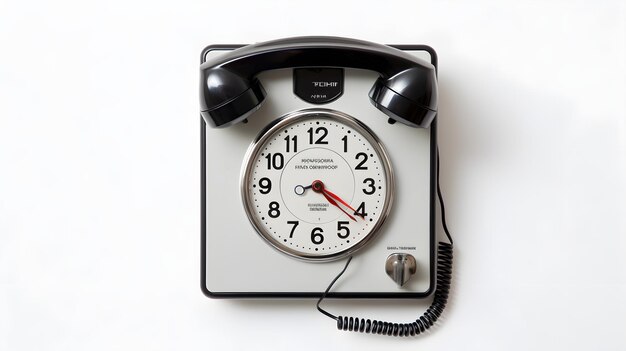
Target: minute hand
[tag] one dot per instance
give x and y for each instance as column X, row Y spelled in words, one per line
column 329, row 193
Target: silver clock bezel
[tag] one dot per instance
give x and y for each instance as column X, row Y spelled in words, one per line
column 278, row 125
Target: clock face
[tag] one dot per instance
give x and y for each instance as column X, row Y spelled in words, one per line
column 317, row 184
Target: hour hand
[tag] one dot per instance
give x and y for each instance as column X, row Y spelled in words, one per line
column 300, row 190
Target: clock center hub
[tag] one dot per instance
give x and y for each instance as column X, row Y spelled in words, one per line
column 316, row 168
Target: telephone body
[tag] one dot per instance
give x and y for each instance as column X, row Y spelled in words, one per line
column 256, row 100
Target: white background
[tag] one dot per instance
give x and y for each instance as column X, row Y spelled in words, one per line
column 99, row 174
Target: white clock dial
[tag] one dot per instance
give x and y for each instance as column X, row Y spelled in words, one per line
column 317, row 184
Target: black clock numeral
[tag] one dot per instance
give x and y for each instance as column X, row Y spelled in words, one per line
column 294, row 139
column 293, row 229
column 371, row 186
column 360, row 211
column 345, row 143
column 266, row 185
column 275, row 161
column 316, row 236
column 343, row 225
column 274, row 211
column 360, row 166
column 319, row 140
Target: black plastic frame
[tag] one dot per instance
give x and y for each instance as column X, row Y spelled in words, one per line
column 343, row 295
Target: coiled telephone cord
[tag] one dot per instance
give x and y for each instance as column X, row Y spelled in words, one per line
column 428, row 319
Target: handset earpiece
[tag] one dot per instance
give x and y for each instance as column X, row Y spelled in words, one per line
column 228, row 98
column 406, row 90
column 409, row 97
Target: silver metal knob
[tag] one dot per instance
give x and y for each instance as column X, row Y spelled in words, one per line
column 400, row 267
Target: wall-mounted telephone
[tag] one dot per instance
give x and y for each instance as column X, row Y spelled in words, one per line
column 317, row 152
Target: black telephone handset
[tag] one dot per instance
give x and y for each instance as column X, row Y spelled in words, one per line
column 406, row 90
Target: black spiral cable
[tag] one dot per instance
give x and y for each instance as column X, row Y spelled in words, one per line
column 428, row 319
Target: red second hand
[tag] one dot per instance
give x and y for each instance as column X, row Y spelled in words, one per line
column 332, row 202
column 337, row 198
column 318, row 186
